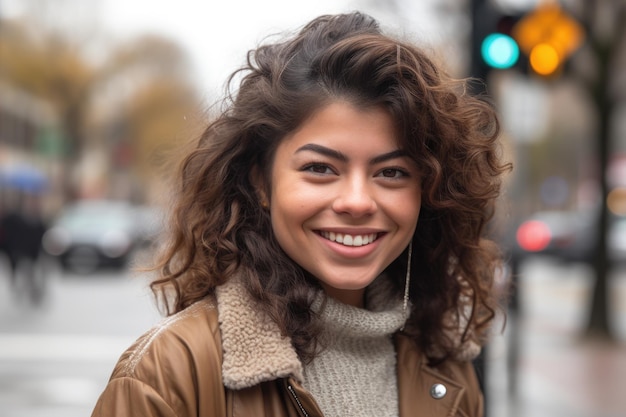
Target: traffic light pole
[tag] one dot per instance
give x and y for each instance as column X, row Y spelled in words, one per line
column 478, row 70
column 478, row 87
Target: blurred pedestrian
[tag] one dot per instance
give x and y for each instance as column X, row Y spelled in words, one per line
column 7, row 220
column 10, row 225
column 21, row 233
column 326, row 255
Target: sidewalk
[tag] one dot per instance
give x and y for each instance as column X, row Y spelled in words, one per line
column 559, row 374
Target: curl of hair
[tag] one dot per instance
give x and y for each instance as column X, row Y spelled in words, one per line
column 219, row 228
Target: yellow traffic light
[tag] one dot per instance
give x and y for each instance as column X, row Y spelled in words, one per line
column 544, row 59
column 548, row 36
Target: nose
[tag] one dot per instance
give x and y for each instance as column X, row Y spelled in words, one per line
column 356, row 198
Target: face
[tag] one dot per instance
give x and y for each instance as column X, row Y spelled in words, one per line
column 344, row 197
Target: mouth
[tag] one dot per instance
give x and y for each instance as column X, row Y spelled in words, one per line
column 348, row 239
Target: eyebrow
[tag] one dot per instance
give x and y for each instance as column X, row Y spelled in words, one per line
column 332, row 153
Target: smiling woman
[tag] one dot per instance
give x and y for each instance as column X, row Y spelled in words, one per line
column 326, row 254
column 342, row 173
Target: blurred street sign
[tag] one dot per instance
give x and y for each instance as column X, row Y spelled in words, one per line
column 524, row 108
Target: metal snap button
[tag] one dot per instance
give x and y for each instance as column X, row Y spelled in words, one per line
column 438, row 391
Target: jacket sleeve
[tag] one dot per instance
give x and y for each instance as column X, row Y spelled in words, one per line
column 128, row 397
column 172, row 370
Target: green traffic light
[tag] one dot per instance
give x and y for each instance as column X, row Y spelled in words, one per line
column 499, row 51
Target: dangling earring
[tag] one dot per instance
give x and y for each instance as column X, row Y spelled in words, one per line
column 407, row 279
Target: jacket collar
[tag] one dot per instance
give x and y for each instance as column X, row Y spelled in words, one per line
column 253, row 348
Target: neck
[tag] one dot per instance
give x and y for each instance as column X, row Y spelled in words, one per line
column 355, row 298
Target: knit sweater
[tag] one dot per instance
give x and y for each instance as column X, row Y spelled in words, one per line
column 355, row 374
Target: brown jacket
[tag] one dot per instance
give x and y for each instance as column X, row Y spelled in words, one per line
column 221, row 358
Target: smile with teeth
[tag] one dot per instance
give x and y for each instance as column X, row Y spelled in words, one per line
column 349, row 240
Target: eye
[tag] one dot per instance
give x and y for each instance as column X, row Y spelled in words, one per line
column 393, row 173
column 318, row 168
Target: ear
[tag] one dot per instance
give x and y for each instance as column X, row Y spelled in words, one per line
column 257, row 179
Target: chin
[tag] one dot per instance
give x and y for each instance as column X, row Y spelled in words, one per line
column 349, row 285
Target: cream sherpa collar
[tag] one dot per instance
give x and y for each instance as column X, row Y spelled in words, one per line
column 254, row 350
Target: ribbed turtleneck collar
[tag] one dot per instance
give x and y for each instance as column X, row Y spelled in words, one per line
column 349, row 321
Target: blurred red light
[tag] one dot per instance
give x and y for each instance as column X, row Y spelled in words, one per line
column 533, row 236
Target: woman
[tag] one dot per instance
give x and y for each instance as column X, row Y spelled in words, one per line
column 326, row 254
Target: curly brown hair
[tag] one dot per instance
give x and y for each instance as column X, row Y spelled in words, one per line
column 219, row 228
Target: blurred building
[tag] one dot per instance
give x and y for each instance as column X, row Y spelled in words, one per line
column 30, row 148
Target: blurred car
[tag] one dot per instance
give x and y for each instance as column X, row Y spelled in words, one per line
column 91, row 234
column 569, row 236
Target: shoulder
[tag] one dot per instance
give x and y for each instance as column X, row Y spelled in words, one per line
column 172, row 362
column 183, row 337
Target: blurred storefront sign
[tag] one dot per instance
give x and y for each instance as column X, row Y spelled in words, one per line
column 23, row 177
column 50, row 142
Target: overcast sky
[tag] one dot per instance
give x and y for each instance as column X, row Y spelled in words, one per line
column 218, row 33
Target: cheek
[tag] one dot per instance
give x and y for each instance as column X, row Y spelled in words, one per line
column 289, row 218
column 408, row 220
column 293, row 206
column 287, row 207
column 295, row 197
column 404, row 208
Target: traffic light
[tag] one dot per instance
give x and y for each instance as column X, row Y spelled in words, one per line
column 538, row 41
column 498, row 49
column 493, row 46
column 548, row 36
column 544, row 59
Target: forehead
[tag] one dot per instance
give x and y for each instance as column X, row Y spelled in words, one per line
column 341, row 124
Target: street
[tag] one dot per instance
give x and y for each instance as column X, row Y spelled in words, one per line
column 559, row 373
column 56, row 358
